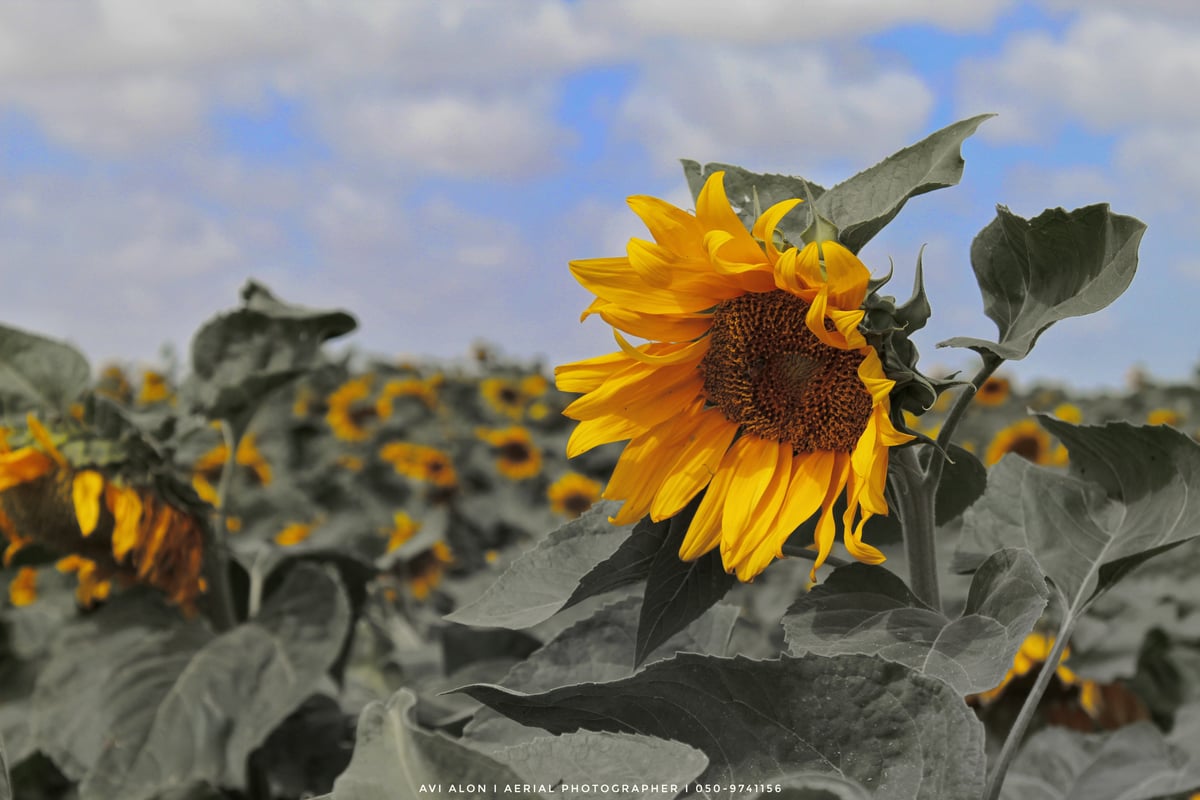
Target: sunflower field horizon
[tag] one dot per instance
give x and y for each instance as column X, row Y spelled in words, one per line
column 755, row 549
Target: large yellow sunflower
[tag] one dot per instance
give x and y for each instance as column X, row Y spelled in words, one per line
column 757, row 384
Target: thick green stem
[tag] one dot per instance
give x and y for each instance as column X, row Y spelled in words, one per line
column 1017, row 733
column 222, row 607
column 914, row 500
column 990, row 364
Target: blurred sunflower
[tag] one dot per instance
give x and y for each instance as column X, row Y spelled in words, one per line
column 424, row 390
column 121, row 525
column 517, row 457
column 421, row 462
column 757, row 386
column 504, row 396
column 350, row 410
column 425, row 572
column 1033, row 653
column 295, row 532
column 403, row 528
column 154, row 388
column 206, row 472
column 994, row 391
column 22, row 590
column 1164, row 416
column 113, row 383
column 1069, row 412
column 573, row 494
column 1027, row 439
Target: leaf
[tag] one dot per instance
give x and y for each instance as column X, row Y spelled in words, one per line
column 182, row 705
column 543, row 580
column 39, row 373
column 1060, row 264
column 6, row 789
column 597, row 649
column 964, row 479
column 615, row 759
column 241, row 356
column 677, row 591
column 861, row 206
column 1131, row 492
column 909, row 736
column 1132, row 763
column 394, row 758
column 869, row 610
column 629, row 564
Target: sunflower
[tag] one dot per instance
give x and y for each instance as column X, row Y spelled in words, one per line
column 425, row 571
column 1069, row 412
column 423, row 390
column 119, row 526
column 294, row 533
column 403, row 528
column 1027, row 439
column 517, row 457
column 154, row 388
column 350, row 410
column 421, row 462
column 573, row 494
column 994, row 391
column 113, row 383
column 1033, row 653
column 757, row 385
column 1164, row 416
column 207, row 469
column 22, row 590
column 504, row 396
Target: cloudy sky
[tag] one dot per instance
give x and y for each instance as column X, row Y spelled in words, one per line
column 432, row 165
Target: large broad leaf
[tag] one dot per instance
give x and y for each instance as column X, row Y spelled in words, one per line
column 1131, row 763
column 598, row 649
column 395, row 758
column 908, row 736
column 635, row 767
column 39, row 373
column 630, row 562
column 541, row 581
column 241, row 356
column 1131, row 492
column 179, row 704
column 867, row 609
column 859, row 207
column 1060, row 264
column 677, row 591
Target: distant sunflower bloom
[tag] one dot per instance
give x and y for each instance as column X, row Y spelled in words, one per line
column 423, row 390
column 120, row 527
column 207, row 469
column 403, row 529
column 994, row 391
column 504, row 396
column 1164, row 416
column 350, row 410
column 294, row 533
column 22, row 590
column 154, row 388
column 573, row 494
column 757, row 384
column 1033, row 653
column 1028, row 440
column 114, row 384
column 420, row 462
column 425, row 571
column 517, row 457
column 1069, row 412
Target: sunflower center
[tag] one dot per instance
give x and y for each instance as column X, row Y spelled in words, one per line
column 515, row 452
column 766, row 371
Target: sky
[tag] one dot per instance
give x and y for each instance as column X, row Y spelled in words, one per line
column 432, row 166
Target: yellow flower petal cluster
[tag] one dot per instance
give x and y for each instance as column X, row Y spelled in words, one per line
column 517, row 456
column 573, row 494
column 756, row 387
column 350, row 409
column 420, row 462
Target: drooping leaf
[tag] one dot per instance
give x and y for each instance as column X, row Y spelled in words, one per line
column 239, row 357
column 541, row 581
column 1132, row 763
column 964, row 479
column 180, row 704
column 598, row 649
column 677, row 591
column 614, row 759
column 394, row 758
column 39, row 373
column 1131, row 492
column 862, row 205
column 1060, row 264
column 869, row 610
column 909, row 736
column 629, row 564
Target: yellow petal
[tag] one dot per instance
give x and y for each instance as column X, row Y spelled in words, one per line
column 764, row 227
column 846, row 275
column 85, row 491
column 755, row 473
column 695, row 465
column 826, row 525
column 23, row 465
column 753, row 552
column 43, row 438
column 22, row 591
column 126, row 507
column 705, row 531
column 715, row 214
column 670, row 226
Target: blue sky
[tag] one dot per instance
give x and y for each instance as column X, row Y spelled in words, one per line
column 432, row 165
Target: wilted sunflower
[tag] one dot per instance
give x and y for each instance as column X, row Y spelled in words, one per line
column 207, row 469
column 1027, row 439
column 573, row 494
column 517, row 457
column 757, row 384
column 112, row 524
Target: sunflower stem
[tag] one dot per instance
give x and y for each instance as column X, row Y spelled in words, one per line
column 991, row 363
column 219, row 551
column 1017, row 732
column 914, row 500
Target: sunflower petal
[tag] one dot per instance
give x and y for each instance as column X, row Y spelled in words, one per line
column 85, row 492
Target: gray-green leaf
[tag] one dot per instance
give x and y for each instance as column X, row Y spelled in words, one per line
column 179, row 704
column 39, row 373
column 1060, row 264
column 395, row 758
column 909, row 736
column 867, row 609
column 541, row 581
column 1132, row 763
column 6, row 791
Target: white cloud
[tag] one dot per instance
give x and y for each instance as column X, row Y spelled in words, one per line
column 770, row 107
